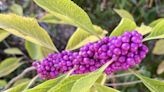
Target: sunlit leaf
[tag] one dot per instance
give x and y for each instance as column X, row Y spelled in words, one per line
column 152, row 24
column 47, row 85
column 143, row 29
column 20, row 81
column 69, row 12
column 101, row 88
column 81, row 38
column 66, row 84
column 158, row 48
column 101, row 80
column 17, row 9
column 9, row 65
column 152, row 84
column 34, row 50
column 3, row 34
column 124, row 25
column 13, row 51
column 160, row 69
column 46, row 51
column 2, row 83
column 157, row 32
column 26, row 28
column 18, row 88
column 86, row 82
column 50, row 18
column 124, row 14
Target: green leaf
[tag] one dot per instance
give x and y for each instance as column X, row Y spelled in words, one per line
column 66, row 84
column 81, row 38
column 101, row 88
column 45, row 86
column 124, row 14
column 20, row 81
column 34, row 50
column 143, row 29
column 158, row 48
column 124, row 25
column 9, row 65
column 3, row 34
column 152, row 84
column 2, row 83
column 13, row 51
column 155, row 22
column 17, row 9
column 86, row 82
column 157, row 32
column 46, row 51
column 69, row 12
column 18, row 88
column 26, row 28
column 101, row 80
column 160, row 69
column 50, row 18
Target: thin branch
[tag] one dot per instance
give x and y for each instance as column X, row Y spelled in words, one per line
column 19, row 77
column 32, row 82
column 121, row 75
column 125, row 83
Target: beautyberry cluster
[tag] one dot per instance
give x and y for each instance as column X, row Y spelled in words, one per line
column 55, row 64
column 126, row 51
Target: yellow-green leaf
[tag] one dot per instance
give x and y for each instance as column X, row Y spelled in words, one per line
column 26, row 28
column 50, row 18
column 69, row 12
column 13, row 51
column 17, row 9
column 124, row 14
column 46, row 51
column 101, row 80
column 9, row 65
column 3, row 34
column 152, row 84
column 143, row 29
column 124, row 25
column 158, row 48
column 45, row 86
column 152, row 24
column 157, row 32
column 18, row 88
column 81, row 38
column 2, row 83
column 101, row 88
column 86, row 82
column 66, row 84
column 20, row 81
column 34, row 50
column 160, row 69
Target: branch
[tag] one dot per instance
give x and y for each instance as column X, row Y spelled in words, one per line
column 19, row 77
column 125, row 83
column 122, row 75
column 32, row 82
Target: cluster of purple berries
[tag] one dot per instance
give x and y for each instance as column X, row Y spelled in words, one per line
column 126, row 51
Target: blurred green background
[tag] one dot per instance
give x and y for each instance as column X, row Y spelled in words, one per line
column 102, row 14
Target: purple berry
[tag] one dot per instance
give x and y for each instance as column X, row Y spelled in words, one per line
column 125, row 46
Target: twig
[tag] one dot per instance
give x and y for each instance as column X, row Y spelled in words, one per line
column 121, row 75
column 113, row 80
column 125, row 83
column 18, row 77
column 31, row 82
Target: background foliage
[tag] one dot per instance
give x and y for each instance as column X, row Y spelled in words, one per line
column 102, row 13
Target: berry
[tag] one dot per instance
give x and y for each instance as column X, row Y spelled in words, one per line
column 126, row 50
